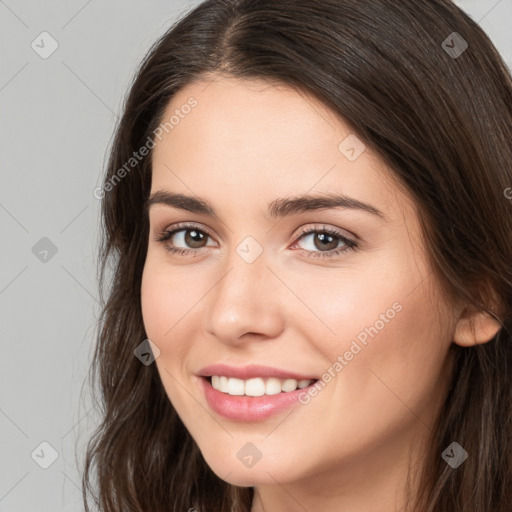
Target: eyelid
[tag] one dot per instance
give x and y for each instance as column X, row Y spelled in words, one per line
column 351, row 241
column 180, row 226
column 315, row 226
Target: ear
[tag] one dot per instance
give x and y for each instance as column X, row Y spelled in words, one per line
column 475, row 327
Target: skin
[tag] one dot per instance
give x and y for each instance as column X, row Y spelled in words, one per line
column 244, row 145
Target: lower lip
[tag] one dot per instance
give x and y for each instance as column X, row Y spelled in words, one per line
column 249, row 408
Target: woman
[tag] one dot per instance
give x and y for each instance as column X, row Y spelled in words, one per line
column 305, row 208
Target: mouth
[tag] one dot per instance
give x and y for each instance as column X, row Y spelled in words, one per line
column 257, row 386
column 255, row 397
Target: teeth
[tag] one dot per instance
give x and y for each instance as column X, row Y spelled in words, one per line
column 257, row 386
column 289, row 385
column 223, row 384
column 272, row 386
column 236, row 387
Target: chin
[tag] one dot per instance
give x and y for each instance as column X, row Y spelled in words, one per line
column 261, row 473
column 246, row 478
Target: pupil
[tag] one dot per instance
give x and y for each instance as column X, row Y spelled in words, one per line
column 325, row 239
column 193, row 238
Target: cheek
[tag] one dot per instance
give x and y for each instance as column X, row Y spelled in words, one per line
column 166, row 306
column 394, row 360
column 155, row 301
column 162, row 309
column 386, row 339
column 348, row 305
column 167, row 300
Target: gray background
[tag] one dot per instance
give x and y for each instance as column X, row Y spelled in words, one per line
column 57, row 118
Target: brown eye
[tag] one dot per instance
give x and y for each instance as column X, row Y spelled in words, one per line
column 324, row 242
column 194, row 238
column 184, row 239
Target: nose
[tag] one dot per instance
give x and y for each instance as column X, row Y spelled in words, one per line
column 246, row 303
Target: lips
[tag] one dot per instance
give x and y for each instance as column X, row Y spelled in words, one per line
column 253, row 371
column 246, row 408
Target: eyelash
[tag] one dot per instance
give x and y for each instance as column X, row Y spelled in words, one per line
column 167, row 234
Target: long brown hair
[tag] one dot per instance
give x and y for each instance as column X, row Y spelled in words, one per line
column 441, row 120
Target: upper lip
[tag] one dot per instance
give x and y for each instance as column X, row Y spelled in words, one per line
column 252, row 371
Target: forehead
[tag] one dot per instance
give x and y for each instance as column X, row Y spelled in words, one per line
column 248, row 136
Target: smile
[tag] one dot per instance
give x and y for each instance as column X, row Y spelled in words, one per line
column 252, row 393
column 256, row 386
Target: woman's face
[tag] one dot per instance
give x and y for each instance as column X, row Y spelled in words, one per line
column 270, row 284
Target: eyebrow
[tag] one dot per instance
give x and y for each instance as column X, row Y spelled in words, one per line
column 278, row 208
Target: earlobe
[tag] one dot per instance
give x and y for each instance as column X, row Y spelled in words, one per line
column 475, row 327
